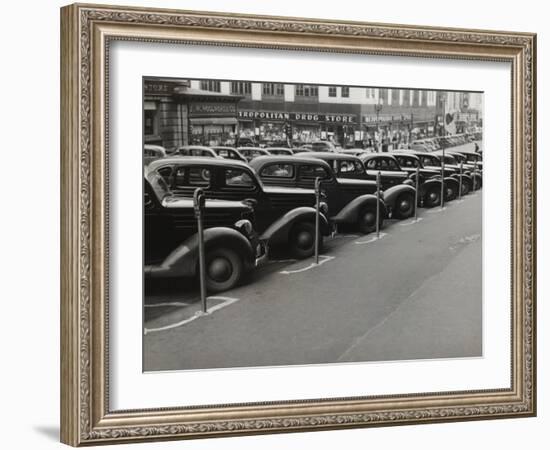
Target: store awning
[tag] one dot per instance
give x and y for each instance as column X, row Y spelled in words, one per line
column 213, row 121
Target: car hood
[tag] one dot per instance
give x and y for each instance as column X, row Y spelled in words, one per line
column 356, row 182
column 186, row 202
column 287, row 190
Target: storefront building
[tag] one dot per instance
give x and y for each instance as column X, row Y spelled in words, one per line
column 176, row 114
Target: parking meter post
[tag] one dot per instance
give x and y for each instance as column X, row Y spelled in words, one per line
column 416, row 193
column 460, row 182
column 198, row 204
column 443, row 179
column 317, row 207
column 378, row 175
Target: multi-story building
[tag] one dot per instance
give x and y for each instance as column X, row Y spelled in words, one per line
column 214, row 112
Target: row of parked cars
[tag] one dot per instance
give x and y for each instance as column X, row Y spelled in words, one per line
column 263, row 204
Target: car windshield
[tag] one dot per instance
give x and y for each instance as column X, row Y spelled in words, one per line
column 159, row 186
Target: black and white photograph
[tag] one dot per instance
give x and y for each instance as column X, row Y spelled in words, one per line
column 297, row 224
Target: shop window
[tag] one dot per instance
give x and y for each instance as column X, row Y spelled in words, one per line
column 332, row 91
column 345, row 91
column 371, row 93
column 211, row 85
column 241, row 87
column 150, row 122
column 278, row 170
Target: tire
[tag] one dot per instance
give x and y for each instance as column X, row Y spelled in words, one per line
column 301, row 240
column 367, row 220
column 466, row 187
column 432, row 197
column 404, row 206
column 450, row 193
column 224, row 269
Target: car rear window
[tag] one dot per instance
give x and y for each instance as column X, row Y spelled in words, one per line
column 278, row 170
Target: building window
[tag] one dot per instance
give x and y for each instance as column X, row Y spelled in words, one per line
column 241, row 87
column 431, row 98
column 150, row 121
column 211, row 85
column 332, row 91
column 306, row 90
column 274, row 89
column 345, row 91
column 371, row 93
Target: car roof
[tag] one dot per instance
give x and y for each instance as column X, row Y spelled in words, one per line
column 332, row 155
column 194, row 147
column 196, row 161
column 367, row 156
column 405, row 153
column 251, row 148
column 261, row 161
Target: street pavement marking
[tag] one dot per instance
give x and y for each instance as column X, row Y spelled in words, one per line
column 311, row 266
column 157, row 305
column 404, row 223
column 436, row 209
column 282, row 261
column 372, row 239
column 226, row 302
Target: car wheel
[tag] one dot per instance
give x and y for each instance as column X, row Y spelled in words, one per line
column 465, row 187
column 432, row 197
column 302, row 240
column 404, row 206
column 367, row 220
column 224, row 268
column 450, row 192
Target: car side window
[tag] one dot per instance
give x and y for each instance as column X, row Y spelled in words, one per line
column 372, row 163
column 350, row 167
column 189, row 177
column 278, row 170
column 310, row 172
column 166, row 173
column 407, row 162
column 239, row 178
column 390, row 164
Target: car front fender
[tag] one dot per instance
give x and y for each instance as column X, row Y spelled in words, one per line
column 350, row 212
column 182, row 261
column 278, row 231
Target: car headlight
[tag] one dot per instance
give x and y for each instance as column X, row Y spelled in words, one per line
column 245, row 227
column 323, row 207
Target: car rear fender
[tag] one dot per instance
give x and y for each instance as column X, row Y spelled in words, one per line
column 278, row 231
column 183, row 260
column 453, row 182
column 390, row 195
column 350, row 212
column 429, row 184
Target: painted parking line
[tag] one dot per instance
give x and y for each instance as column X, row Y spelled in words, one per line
column 372, row 239
column 323, row 259
column 405, row 223
column 226, row 301
column 436, row 209
column 158, row 305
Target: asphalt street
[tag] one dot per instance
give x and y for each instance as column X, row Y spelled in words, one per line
column 415, row 293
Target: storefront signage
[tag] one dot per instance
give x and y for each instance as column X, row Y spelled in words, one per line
column 196, row 109
column 152, row 87
column 301, row 117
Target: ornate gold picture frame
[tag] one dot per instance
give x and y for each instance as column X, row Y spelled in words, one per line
column 86, row 34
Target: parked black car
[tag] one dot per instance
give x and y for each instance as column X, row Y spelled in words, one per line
column 350, row 201
column 171, row 240
column 409, row 161
column 283, row 216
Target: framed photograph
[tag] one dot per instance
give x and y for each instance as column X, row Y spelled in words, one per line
column 275, row 224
